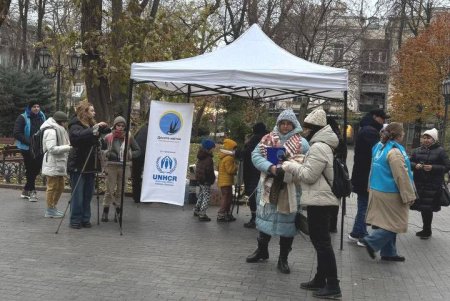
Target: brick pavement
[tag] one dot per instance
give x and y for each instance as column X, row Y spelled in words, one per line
column 166, row 254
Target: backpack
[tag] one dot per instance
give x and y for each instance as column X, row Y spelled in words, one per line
column 36, row 143
column 342, row 185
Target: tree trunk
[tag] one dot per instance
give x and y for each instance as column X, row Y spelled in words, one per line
column 97, row 86
column 4, row 9
column 39, row 35
column 23, row 10
column 198, row 117
column 117, row 85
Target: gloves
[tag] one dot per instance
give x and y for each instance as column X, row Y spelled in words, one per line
column 289, row 166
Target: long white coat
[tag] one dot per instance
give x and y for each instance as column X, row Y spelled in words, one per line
column 317, row 165
column 55, row 156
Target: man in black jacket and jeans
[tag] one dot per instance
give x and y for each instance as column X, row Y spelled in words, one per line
column 368, row 136
column 28, row 123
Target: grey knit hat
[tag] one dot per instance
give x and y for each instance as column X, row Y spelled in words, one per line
column 60, row 116
column 119, row 119
column 289, row 115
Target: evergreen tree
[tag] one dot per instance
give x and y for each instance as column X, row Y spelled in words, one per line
column 17, row 89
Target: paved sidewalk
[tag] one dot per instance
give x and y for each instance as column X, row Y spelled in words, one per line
column 166, row 254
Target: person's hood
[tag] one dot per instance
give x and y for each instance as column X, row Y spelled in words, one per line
column 50, row 122
column 368, row 120
column 325, row 135
column 224, row 152
column 203, row 153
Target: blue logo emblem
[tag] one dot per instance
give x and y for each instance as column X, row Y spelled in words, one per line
column 170, row 123
column 166, row 164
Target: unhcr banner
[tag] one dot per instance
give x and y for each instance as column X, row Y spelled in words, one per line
column 167, row 153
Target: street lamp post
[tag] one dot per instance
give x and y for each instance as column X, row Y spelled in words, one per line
column 45, row 63
column 446, row 94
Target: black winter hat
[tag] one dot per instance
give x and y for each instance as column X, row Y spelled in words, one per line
column 379, row 113
column 259, row 128
column 31, row 103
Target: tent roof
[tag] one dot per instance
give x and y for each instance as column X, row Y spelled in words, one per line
column 252, row 66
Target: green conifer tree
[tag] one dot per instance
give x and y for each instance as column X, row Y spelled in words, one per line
column 17, row 88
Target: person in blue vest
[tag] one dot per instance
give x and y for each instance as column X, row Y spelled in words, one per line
column 28, row 123
column 391, row 193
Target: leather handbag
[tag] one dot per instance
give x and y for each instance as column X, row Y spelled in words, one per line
column 301, row 223
column 445, row 196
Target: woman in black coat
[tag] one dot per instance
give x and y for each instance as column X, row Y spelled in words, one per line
column 429, row 163
column 251, row 174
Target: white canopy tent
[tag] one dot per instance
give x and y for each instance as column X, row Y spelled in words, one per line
column 253, row 66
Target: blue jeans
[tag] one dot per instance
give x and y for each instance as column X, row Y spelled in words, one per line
column 80, row 206
column 383, row 241
column 359, row 227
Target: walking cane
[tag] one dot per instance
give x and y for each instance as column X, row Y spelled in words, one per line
column 76, row 185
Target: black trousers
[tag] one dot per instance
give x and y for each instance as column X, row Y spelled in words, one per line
column 427, row 218
column 32, row 169
column 136, row 179
column 319, row 224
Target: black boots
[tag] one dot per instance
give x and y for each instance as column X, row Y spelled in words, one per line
column 330, row 291
column 105, row 214
column 285, row 248
column 424, row 234
column 314, row 285
column 262, row 253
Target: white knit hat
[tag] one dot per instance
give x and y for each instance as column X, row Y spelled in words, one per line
column 433, row 133
column 317, row 117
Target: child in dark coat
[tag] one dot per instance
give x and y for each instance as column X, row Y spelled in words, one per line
column 204, row 173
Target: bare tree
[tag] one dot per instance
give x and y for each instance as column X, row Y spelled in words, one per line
column 4, row 9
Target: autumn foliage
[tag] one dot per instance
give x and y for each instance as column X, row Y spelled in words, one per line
column 423, row 63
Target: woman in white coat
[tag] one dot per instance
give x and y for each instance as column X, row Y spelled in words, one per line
column 315, row 175
column 56, row 147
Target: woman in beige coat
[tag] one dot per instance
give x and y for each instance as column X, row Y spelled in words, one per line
column 391, row 192
column 316, row 176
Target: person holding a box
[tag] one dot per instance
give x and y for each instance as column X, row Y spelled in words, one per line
column 278, row 198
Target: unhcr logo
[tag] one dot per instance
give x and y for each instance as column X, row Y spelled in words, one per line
column 166, row 164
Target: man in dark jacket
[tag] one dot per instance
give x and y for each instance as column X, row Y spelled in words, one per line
column 250, row 173
column 26, row 125
column 138, row 163
column 368, row 136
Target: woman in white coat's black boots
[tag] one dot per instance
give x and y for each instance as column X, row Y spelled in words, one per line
column 314, row 176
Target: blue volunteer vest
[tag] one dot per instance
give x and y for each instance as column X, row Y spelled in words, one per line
column 27, row 129
column 381, row 178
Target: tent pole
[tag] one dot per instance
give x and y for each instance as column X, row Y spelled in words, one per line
column 188, row 95
column 344, row 136
column 125, row 157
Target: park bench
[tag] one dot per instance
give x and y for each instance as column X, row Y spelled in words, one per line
column 11, row 160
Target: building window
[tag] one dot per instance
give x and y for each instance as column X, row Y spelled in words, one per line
column 338, row 52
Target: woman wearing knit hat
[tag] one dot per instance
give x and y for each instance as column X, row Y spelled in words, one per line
column 315, row 175
column 56, row 146
column 429, row 163
column 225, row 179
column 115, row 143
column 26, row 125
column 204, row 174
column 277, row 196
